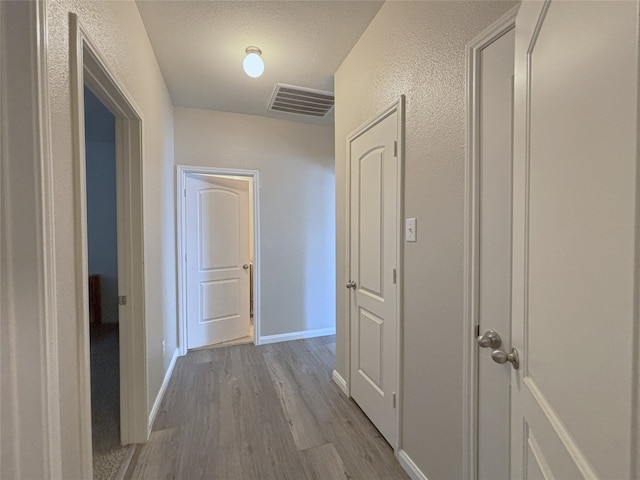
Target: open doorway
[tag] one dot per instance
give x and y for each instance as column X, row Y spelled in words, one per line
column 218, row 251
column 89, row 69
column 102, row 249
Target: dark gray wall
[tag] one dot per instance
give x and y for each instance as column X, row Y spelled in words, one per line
column 100, row 141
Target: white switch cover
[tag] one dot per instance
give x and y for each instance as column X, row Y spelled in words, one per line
column 410, row 229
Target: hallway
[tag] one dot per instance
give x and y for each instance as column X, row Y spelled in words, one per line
column 269, row 412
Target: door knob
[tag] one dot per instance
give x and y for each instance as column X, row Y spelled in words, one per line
column 351, row 284
column 500, row 356
column 490, row 339
column 245, row 266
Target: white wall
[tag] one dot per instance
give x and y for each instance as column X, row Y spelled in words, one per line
column 118, row 33
column 418, row 49
column 297, row 221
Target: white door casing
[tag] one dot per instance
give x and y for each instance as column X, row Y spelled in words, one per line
column 373, row 260
column 30, row 392
column 574, row 402
column 488, row 215
column 494, row 251
column 88, row 67
column 217, row 259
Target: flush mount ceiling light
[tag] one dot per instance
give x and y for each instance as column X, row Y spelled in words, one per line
column 253, row 64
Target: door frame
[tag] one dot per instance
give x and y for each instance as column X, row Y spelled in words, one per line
column 182, row 171
column 471, row 282
column 88, row 67
column 29, row 325
column 399, row 107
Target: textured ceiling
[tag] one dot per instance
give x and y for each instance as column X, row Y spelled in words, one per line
column 200, row 47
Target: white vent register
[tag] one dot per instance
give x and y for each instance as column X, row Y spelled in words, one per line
column 301, row 100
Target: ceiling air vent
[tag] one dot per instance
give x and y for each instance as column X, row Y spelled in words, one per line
column 300, row 100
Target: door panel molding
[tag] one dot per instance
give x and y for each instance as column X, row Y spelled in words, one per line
column 567, row 443
column 214, row 264
column 527, row 186
column 474, row 48
column 182, row 172
column 345, row 383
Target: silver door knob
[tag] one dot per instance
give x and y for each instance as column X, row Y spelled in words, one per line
column 500, row 356
column 490, row 339
column 245, row 266
column 351, row 284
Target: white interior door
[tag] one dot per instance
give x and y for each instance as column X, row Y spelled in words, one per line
column 494, row 251
column 574, row 407
column 373, row 254
column 217, row 259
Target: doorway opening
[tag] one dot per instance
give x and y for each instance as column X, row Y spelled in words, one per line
column 88, row 69
column 102, row 248
column 218, row 251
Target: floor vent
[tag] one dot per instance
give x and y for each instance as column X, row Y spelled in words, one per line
column 300, row 100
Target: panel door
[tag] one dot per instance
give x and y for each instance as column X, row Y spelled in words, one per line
column 494, row 251
column 373, row 250
column 574, row 240
column 217, row 239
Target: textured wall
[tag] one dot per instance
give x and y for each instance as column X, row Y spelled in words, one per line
column 418, row 49
column 297, row 220
column 117, row 31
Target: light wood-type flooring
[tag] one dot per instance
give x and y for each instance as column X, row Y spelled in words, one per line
column 269, row 413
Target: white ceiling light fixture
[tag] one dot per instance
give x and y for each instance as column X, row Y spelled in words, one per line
column 253, row 64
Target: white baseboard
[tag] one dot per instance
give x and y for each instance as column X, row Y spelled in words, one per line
column 410, row 467
column 341, row 382
column 163, row 389
column 285, row 337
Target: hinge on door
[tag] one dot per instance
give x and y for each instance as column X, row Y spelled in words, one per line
column 393, row 399
column 394, row 276
column 395, row 148
column 122, row 300
column 184, row 192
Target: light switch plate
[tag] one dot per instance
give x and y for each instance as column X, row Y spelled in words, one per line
column 410, row 229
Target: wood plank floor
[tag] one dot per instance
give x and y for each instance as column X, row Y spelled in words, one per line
column 269, row 413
